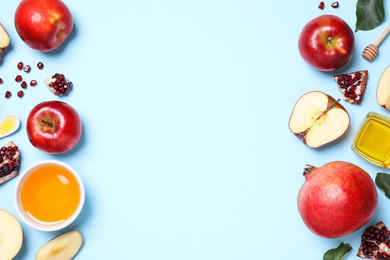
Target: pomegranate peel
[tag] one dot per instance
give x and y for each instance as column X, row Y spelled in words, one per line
column 9, row 162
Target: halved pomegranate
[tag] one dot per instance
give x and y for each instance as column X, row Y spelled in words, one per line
column 353, row 85
column 375, row 243
column 9, row 162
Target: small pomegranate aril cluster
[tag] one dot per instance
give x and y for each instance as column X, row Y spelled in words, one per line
column 9, row 162
column 322, row 5
column 58, row 84
column 352, row 85
column 375, row 243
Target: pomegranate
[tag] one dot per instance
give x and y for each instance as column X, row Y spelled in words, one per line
column 353, row 85
column 9, row 162
column 336, row 199
column 58, row 84
column 375, row 242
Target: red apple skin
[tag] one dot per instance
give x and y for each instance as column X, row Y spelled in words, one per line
column 54, row 127
column 326, row 43
column 337, row 199
column 43, row 24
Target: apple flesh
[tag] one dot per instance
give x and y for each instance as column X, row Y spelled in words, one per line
column 383, row 89
column 326, row 43
column 11, row 235
column 318, row 119
column 54, row 127
column 43, row 24
column 64, row 246
column 336, row 199
column 4, row 40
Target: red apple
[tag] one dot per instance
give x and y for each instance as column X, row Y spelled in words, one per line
column 336, row 199
column 43, row 24
column 326, row 43
column 53, row 127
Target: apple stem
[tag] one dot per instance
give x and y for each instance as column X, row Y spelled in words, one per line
column 43, row 121
column 308, row 169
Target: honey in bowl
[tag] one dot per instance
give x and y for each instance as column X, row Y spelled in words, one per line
column 372, row 139
column 50, row 194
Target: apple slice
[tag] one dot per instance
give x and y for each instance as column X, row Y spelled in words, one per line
column 11, row 235
column 383, row 89
column 4, row 40
column 318, row 119
column 352, row 85
column 64, row 247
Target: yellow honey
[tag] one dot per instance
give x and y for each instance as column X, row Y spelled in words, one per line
column 50, row 194
column 7, row 125
column 372, row 139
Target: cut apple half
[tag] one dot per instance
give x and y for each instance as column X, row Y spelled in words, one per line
column 4, row 39
column 318, row 119
column 11, row 235
column 383, row 89
column 64, row 247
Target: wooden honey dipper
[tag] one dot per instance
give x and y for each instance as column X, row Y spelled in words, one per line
column 371, row 51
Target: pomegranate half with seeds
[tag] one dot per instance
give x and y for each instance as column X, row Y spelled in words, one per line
column 375, row 243
column 336, row 199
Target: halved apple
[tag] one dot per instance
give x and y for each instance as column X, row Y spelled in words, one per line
column 64, row 247
column 4, row 40
column 318, row 119
column 383, row 89
column 11, row 235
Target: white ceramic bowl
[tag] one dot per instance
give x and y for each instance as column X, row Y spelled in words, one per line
column 18, row 205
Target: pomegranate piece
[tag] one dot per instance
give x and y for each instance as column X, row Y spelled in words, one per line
column 33, row 83
column 40, row 65
column 58, row 84
column 352, row 85
column 375, row 243
column 20, row 65
column 18, row 78
column 8, row 94
column 321, row 5
column 20, row 94
column 335, row 4
column 9, row 162
column 27, row 68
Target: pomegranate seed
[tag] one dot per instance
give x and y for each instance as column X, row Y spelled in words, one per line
column 27, row 68
column 335, row 4
column 24, row 84
column 33, row 83
column 20, row 65
column 40, row 65
column 20, row 94
column 321, row 6
column 8, row 94
column 18, row 78
column 1, row 80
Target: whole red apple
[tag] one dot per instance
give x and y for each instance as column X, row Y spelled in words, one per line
column 336, row 199
column 53, row 127
column 326, row 43
column 43, row 24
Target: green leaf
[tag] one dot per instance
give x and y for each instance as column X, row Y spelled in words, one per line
column 382, row 180
column 337, row 253
column 369, row 14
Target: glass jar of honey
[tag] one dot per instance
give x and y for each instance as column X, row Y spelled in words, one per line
column 372, row 139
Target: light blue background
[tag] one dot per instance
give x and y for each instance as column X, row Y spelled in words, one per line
column 186, row 151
